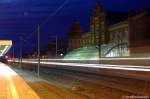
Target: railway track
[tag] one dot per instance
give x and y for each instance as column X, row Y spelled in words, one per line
column 94, row 86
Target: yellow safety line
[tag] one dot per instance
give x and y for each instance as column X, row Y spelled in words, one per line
column 13, row 89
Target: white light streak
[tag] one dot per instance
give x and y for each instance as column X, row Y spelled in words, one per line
column 98, row 66
column 140, row 58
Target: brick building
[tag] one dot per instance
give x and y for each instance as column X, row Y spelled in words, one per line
column 118, row 34
column 75, row 36
column 139, row 30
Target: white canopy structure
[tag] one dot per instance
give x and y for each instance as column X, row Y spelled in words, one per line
column 5, row 46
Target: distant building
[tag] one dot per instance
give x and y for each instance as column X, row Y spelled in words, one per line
column 139, row 30
column 75, row 36
column 118, row 34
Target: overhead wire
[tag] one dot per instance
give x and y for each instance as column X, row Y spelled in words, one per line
column 52, row 14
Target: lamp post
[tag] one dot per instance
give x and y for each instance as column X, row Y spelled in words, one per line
column 38, row 68
column 13, row 54
column 56, row 45
column 99, row 41
column 21, row 39
column 99, row 47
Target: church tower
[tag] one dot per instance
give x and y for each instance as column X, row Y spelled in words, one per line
column 75, row 36
column 98, row 25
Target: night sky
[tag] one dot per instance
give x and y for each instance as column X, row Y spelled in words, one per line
column 21, row 17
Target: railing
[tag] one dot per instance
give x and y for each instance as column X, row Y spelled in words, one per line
column 114, row 47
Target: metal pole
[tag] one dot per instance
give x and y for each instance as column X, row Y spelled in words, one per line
column 38, row 69
column 21, row 39
column 56, row 45
column 99, row 43
column 99, row 47
column 13, row 52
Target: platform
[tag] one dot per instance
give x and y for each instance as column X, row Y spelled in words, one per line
column 12, row 86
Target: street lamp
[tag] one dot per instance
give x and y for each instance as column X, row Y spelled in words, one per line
column 13, row 53
column 56, row 45
column 99, row 42
column 21, row 39
column 38, row 68
column 99, row 47
column 61, row 54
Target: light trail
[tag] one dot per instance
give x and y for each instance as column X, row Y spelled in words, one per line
column 141, row 58
column 97, row 66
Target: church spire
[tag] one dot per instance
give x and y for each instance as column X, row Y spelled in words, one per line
column 98, row 9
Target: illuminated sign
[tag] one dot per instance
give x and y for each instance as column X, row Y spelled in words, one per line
column 5, row 42
column 5, row 46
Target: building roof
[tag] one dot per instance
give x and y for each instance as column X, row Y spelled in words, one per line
column 111, row 17
column 98, row 9
column 119, row 25
column 116, row 17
